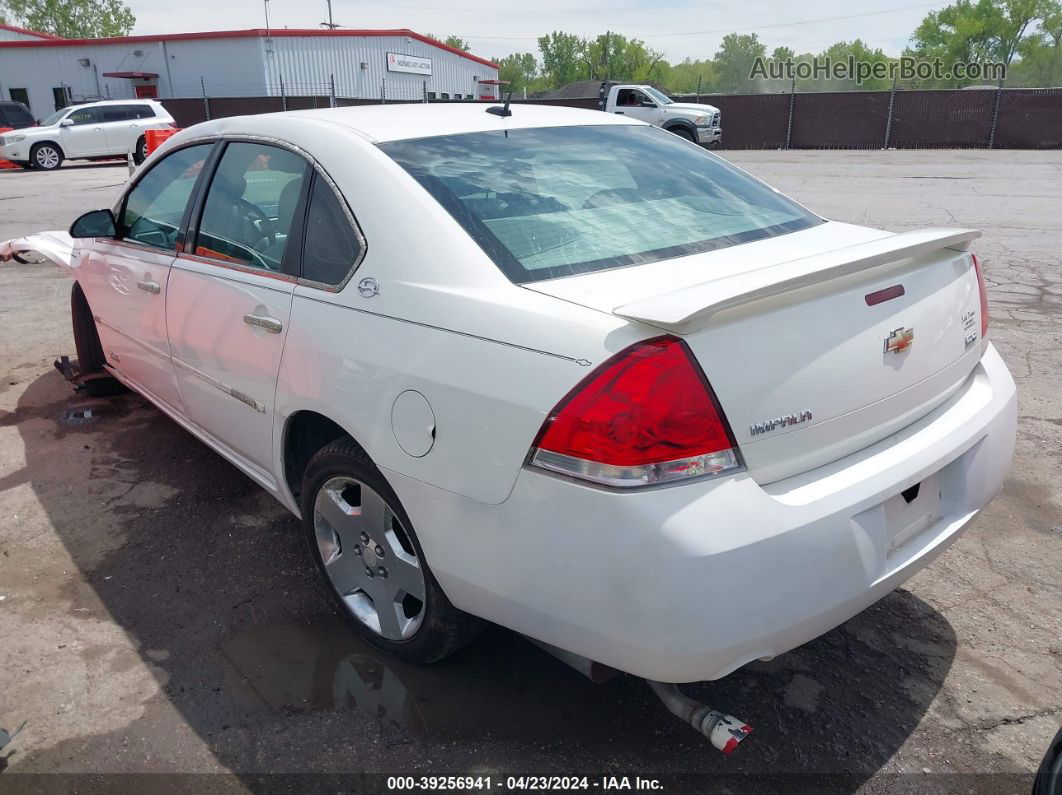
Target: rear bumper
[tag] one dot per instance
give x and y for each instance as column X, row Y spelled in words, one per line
column 709, row 135
column 690, row 582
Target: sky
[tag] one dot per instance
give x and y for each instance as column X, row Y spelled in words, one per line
column 678, row 28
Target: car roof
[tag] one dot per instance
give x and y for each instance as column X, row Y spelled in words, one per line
column 382, row 123
column 95, row 102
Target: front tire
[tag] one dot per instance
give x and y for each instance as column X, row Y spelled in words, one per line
column 364, row 547
column 46, row 157
column 90, row 355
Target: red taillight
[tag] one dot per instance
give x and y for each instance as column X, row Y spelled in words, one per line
column 645, row 416
column 984, row 296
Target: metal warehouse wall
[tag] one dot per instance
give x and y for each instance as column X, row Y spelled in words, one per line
column 228, row 67
column 307, row 63
column 40, row 69
column 17, row 35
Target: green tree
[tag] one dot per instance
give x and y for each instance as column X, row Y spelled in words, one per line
column 860, row 53
column 73, row 19
column 689, row 76
column 981, row 30
column 1040, row 54
column 733, row 62
column 519, row 70
column 564, row 58
column 453, row 41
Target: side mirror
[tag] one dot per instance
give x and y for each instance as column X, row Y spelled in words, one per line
column 66, row 123
column 648, row 103
column 97, row 223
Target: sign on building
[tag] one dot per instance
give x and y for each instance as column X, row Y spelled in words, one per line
column 397, row 62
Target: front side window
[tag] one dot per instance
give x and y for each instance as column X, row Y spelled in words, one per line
column 153, row 209
column 558, row 201
column 657, row 97
column 85, row 116
column 331, row 246
column 251, row 204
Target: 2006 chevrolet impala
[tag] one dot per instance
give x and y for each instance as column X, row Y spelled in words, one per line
column 555, row 369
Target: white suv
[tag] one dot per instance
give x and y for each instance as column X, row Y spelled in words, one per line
column 90, row 131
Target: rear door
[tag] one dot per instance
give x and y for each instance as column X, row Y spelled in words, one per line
column 121, row 125
column 230, row 294
column 86, row 136
column 125, row 280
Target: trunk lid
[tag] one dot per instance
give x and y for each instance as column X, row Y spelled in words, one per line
column 809, row 343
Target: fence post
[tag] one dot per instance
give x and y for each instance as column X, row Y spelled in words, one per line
column 206, row 102
column 383, row 90
column 698, row 89
column 424, row 90
column 789, row 125
column 995, row 116
column 283, row 95
column 331, row 91
column 888, row 121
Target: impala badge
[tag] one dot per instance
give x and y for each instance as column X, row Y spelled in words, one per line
column 899, row 340
column 779, row 422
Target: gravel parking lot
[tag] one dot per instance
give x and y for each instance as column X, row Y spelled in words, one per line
column 158, row 612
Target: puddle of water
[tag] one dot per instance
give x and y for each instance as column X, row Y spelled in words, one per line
column 500, row 685
column 77, row 416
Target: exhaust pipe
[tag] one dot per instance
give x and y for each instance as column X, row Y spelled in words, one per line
column 723, row 731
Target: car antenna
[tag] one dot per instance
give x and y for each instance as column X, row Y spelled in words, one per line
column 502, row 111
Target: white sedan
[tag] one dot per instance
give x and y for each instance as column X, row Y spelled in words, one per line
column 559, row 370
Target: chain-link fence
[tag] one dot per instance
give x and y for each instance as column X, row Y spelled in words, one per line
column 1004, row 118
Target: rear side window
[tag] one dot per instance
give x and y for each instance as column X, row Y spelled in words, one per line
column 558, row 201
column 331, row 246
column 126, row 112
column 116, row 113
column 154, row 209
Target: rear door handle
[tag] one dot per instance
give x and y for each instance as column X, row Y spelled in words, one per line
column 270, row 324
column 150, row 287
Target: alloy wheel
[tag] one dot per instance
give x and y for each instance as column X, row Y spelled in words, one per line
column 47, row 157
column 369, row 558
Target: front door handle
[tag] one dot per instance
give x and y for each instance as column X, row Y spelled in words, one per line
column 270, row 324
column 149, row 287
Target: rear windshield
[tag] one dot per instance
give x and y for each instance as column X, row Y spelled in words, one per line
column 558, row 201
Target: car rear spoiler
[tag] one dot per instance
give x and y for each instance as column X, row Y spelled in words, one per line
column 57, row 247
column 675, row 309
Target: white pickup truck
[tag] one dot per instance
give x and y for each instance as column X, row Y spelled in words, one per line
column 698, row 123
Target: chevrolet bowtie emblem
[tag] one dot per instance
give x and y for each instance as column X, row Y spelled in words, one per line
column 899, row 340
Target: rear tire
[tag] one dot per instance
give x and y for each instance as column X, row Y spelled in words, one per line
column 140, row 155
column 46, row 157
column 364, row 534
